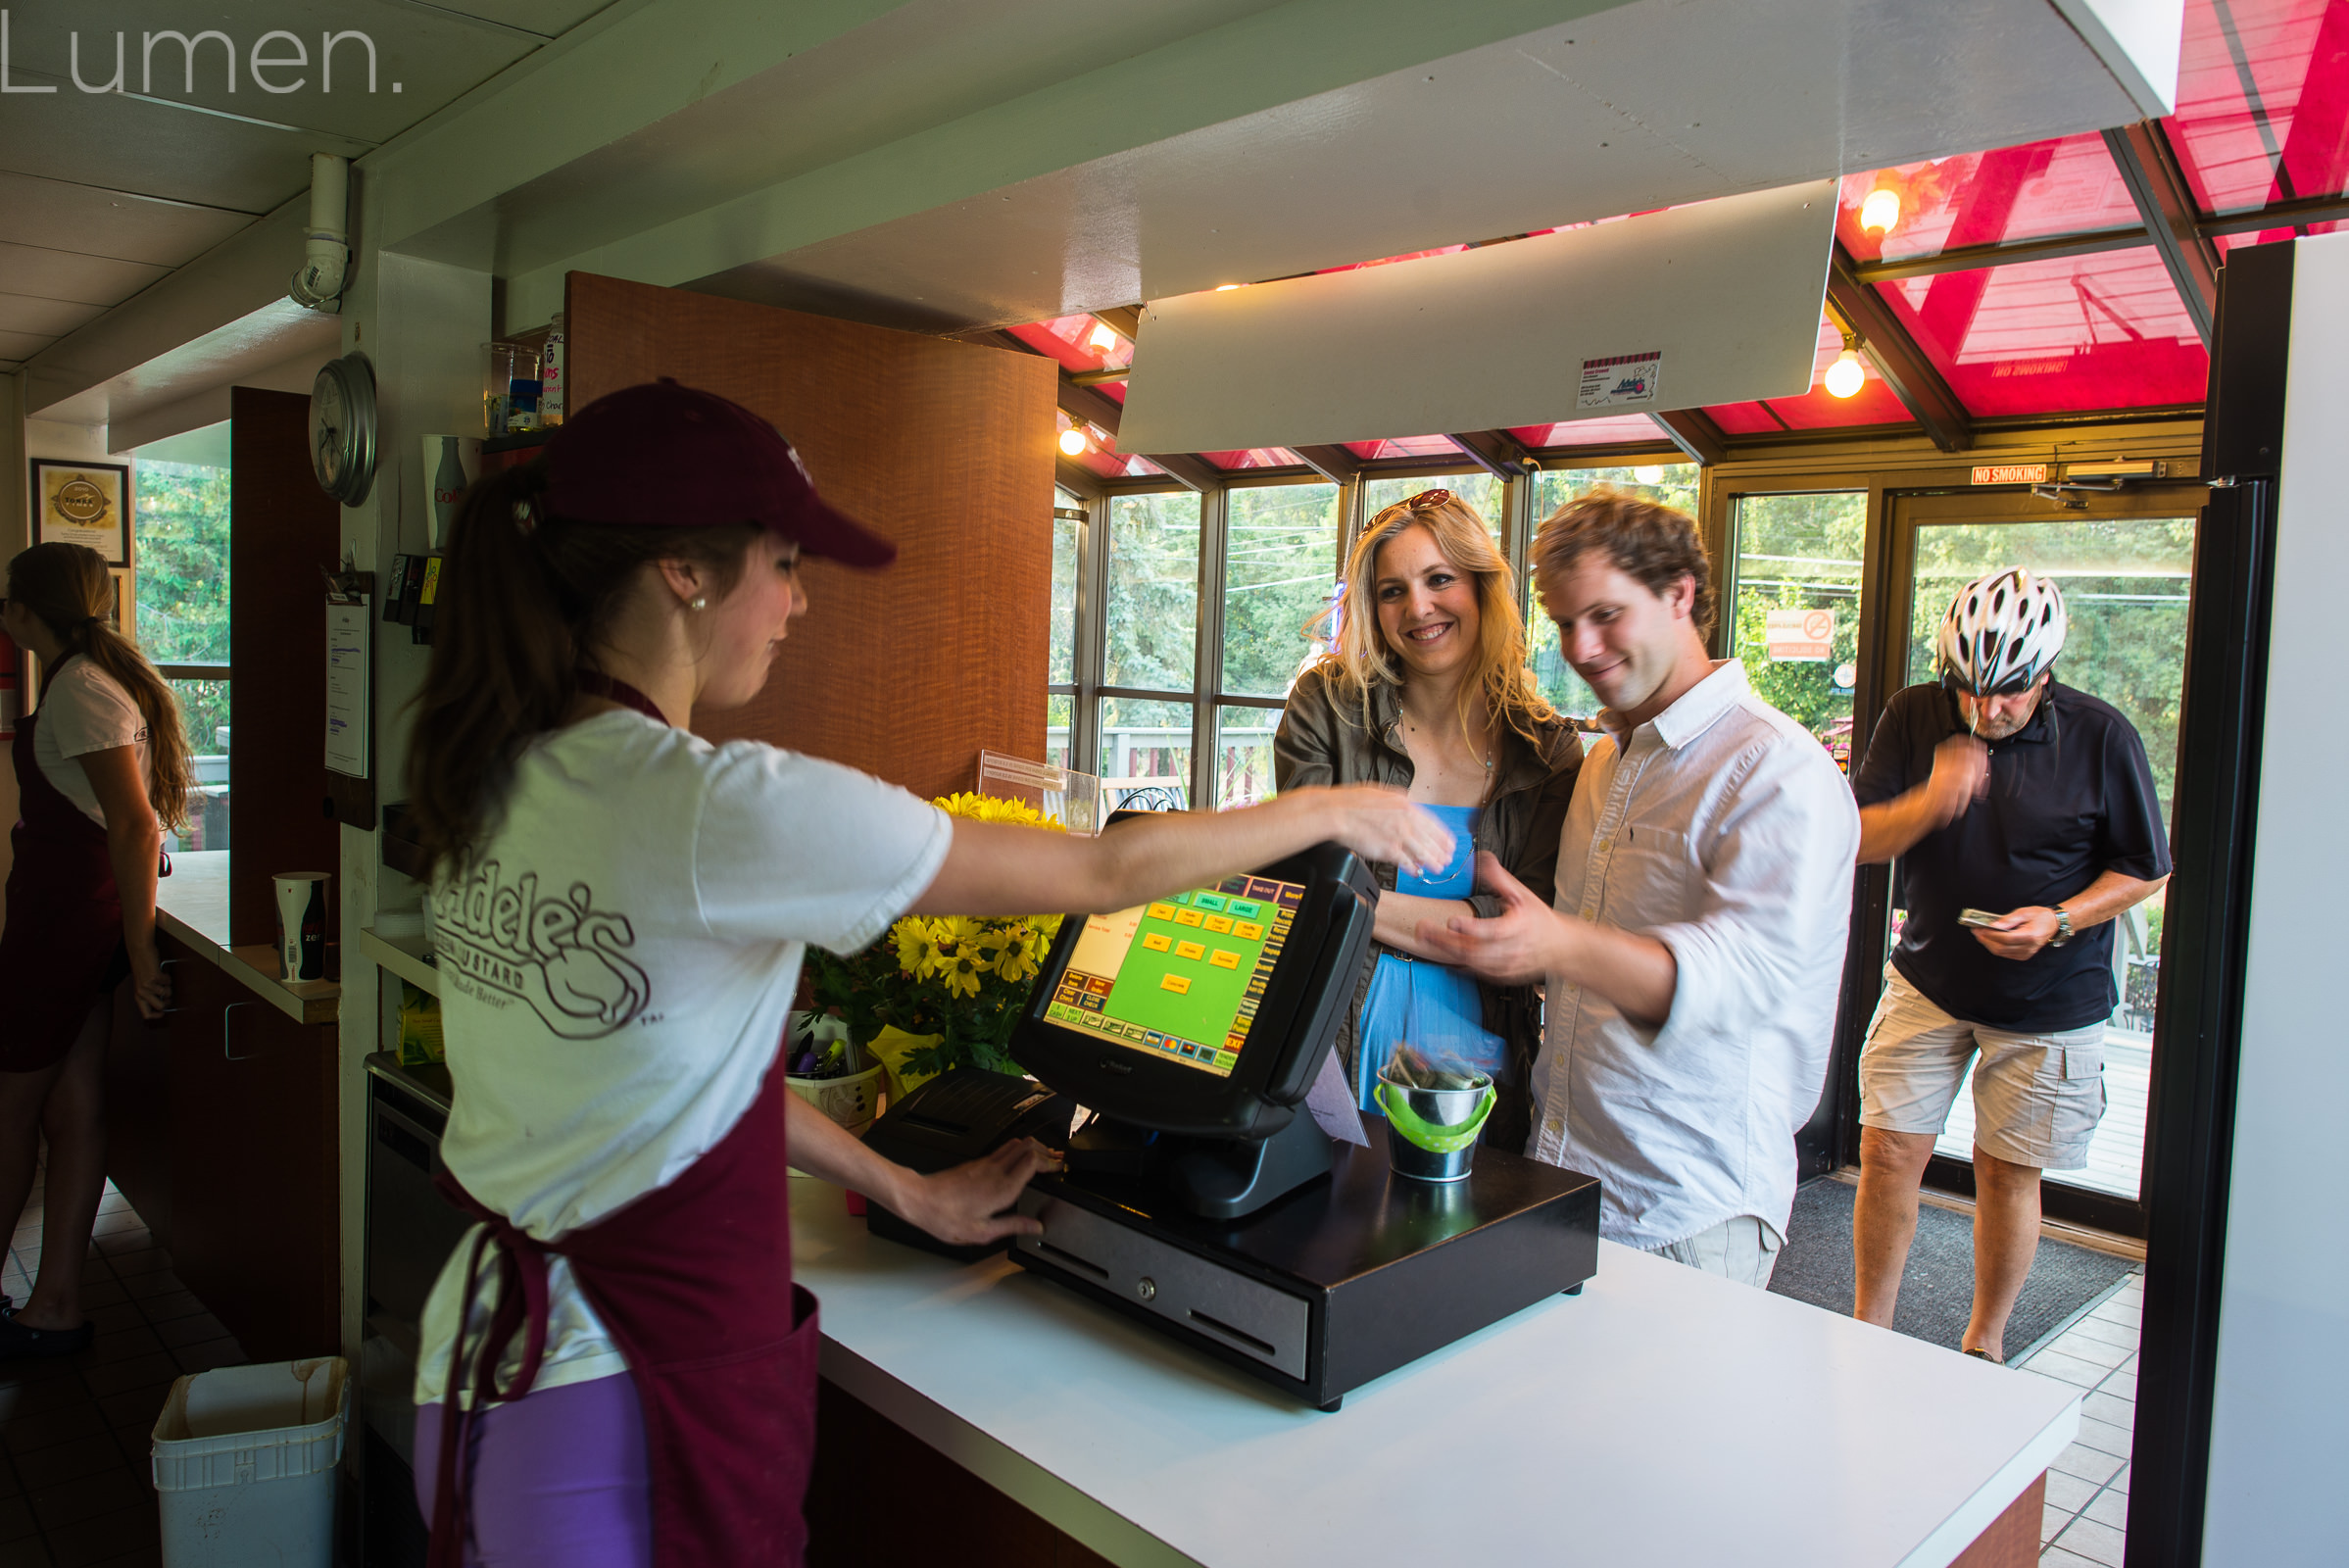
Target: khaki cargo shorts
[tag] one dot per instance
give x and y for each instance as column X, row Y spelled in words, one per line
column 2037, row 1098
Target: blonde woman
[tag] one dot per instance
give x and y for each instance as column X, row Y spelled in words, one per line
column 99, row 767
column 1426, row 688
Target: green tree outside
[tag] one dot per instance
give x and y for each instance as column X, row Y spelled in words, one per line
column 182, row 526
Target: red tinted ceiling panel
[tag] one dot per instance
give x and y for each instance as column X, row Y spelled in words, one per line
column 2080, row 334
column 2066, row 186
column 1255, row 458
column 1744, row 418
column 2263, row 101
column 1821, row 409
column 1405, row 446
column 1078, row 342
column 1610, row 431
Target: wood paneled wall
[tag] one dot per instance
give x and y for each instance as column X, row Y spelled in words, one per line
column 285, row 532
column 946, row 448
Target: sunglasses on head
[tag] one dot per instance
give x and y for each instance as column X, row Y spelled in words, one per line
column 1428, row 499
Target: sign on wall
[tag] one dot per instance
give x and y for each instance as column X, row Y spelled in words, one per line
column 1800, row 636
column 83, row 503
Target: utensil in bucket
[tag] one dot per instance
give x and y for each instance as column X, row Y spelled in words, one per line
column 1431, row 1133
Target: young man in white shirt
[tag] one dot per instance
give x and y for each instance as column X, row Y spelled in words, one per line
column 1694, row 955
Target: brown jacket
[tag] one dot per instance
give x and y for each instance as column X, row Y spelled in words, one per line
column 1322, row 740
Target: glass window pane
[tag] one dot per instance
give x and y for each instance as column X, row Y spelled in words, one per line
column 1243, row 755
column 203, row 719
column 2080, row 332
column 1152, row 631
column 2065, row 186
column 1794, row 621
column 1670, row 484
column 183, row 523
column 1146, row 754
column 1279, row 561
column 2263, row 91
column 1067, row 531
column 1059, row 709
column 1480, row 490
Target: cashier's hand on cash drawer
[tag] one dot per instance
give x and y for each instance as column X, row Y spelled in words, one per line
column 966, row 1206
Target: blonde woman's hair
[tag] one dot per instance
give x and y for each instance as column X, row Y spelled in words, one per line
column 70, row 589
column 1500, row 680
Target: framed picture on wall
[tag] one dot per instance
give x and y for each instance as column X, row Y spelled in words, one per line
column 83, row 503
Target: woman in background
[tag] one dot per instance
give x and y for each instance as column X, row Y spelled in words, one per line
column 1426, row 688
column 97, row 767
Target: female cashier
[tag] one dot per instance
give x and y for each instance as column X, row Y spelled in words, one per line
column 97, row 767
column 615, row 1362
column 1426, row 688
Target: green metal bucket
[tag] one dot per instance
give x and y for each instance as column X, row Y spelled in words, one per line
column 1431, row 1133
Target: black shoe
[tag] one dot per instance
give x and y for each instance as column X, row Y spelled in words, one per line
column 20, row 1342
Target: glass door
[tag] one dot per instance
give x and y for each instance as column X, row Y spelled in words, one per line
column 2124, row 562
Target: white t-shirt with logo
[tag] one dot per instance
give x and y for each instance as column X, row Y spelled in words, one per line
column 84, row 710
column 616, row 968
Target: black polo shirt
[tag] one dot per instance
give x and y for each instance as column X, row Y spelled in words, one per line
column 2071, row 796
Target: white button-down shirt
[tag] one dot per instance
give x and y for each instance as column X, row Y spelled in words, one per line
column 1724, row 831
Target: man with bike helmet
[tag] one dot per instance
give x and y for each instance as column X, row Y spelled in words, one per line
column 2023, row 815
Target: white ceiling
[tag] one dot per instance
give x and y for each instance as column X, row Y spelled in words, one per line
column 103, row 195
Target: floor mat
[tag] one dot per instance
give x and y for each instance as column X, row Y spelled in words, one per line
column 1937, row 1292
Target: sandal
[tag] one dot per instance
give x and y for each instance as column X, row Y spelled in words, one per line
column 1981, row 1355
column 21, row 1342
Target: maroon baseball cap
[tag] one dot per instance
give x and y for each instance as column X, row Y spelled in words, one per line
column 660, row 452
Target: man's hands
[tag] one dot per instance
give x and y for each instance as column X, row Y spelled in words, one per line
column 966, row 1206
column 1961, row 775
column 1523, row 944
column 2019, row 933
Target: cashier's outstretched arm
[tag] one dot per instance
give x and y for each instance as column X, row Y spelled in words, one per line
column 965, row 1206
column 996, row 869
column 1528, row 941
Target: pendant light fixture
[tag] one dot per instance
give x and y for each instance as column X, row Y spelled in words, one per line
column 1881, row 210
column 1072, row 441
column 1846, row 376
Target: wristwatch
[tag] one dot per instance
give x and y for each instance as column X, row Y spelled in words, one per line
column 2063, row 926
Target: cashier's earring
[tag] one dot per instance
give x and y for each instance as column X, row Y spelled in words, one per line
column 696, row 601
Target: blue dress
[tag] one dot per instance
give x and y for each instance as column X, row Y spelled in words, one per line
column 1434, row 1006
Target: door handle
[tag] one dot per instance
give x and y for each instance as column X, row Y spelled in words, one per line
column 226, row 1015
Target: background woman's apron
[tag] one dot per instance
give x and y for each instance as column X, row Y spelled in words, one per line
column 693, row 1280
column 62, row 952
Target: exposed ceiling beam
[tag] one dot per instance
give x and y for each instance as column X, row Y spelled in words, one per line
column 1077, row 401
column 1965, row 258
column 1076, row 478
column 2278, row 215
column 2156, row 183
column 1693, row 433
column 1856, row 309
column 1196, row 473
column 1497, row 452
column 1334, row 463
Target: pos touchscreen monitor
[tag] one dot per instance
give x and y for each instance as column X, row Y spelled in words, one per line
column 1206, row 1011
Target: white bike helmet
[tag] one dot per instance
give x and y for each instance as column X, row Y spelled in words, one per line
column 2002, row 633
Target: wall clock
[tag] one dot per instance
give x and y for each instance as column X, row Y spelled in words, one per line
column 342, row 428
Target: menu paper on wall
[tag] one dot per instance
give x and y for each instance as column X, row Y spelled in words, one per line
column 347, row 686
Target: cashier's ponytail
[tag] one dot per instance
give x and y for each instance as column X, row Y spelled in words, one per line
column 68, row 587
column 524, row 601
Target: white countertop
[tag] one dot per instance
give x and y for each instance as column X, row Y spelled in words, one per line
column 192, row 906
column 1664, row 1416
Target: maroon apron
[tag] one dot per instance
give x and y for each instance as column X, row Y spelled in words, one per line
column 693, row 1282
column 62, row 951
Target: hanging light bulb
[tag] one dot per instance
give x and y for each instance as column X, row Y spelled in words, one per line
column 1649, row 473
column 1103, row 338
column 1225, row 288
column 1845, row 378
column 1072, row 440
column 1880, row 211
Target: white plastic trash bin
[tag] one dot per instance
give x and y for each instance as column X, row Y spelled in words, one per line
column 245, row 1461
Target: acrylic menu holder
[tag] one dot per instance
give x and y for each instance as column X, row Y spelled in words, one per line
column 1072, row 797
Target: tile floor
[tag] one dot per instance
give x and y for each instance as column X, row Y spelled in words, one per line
column 75, row 1486
column 2088, row 1487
